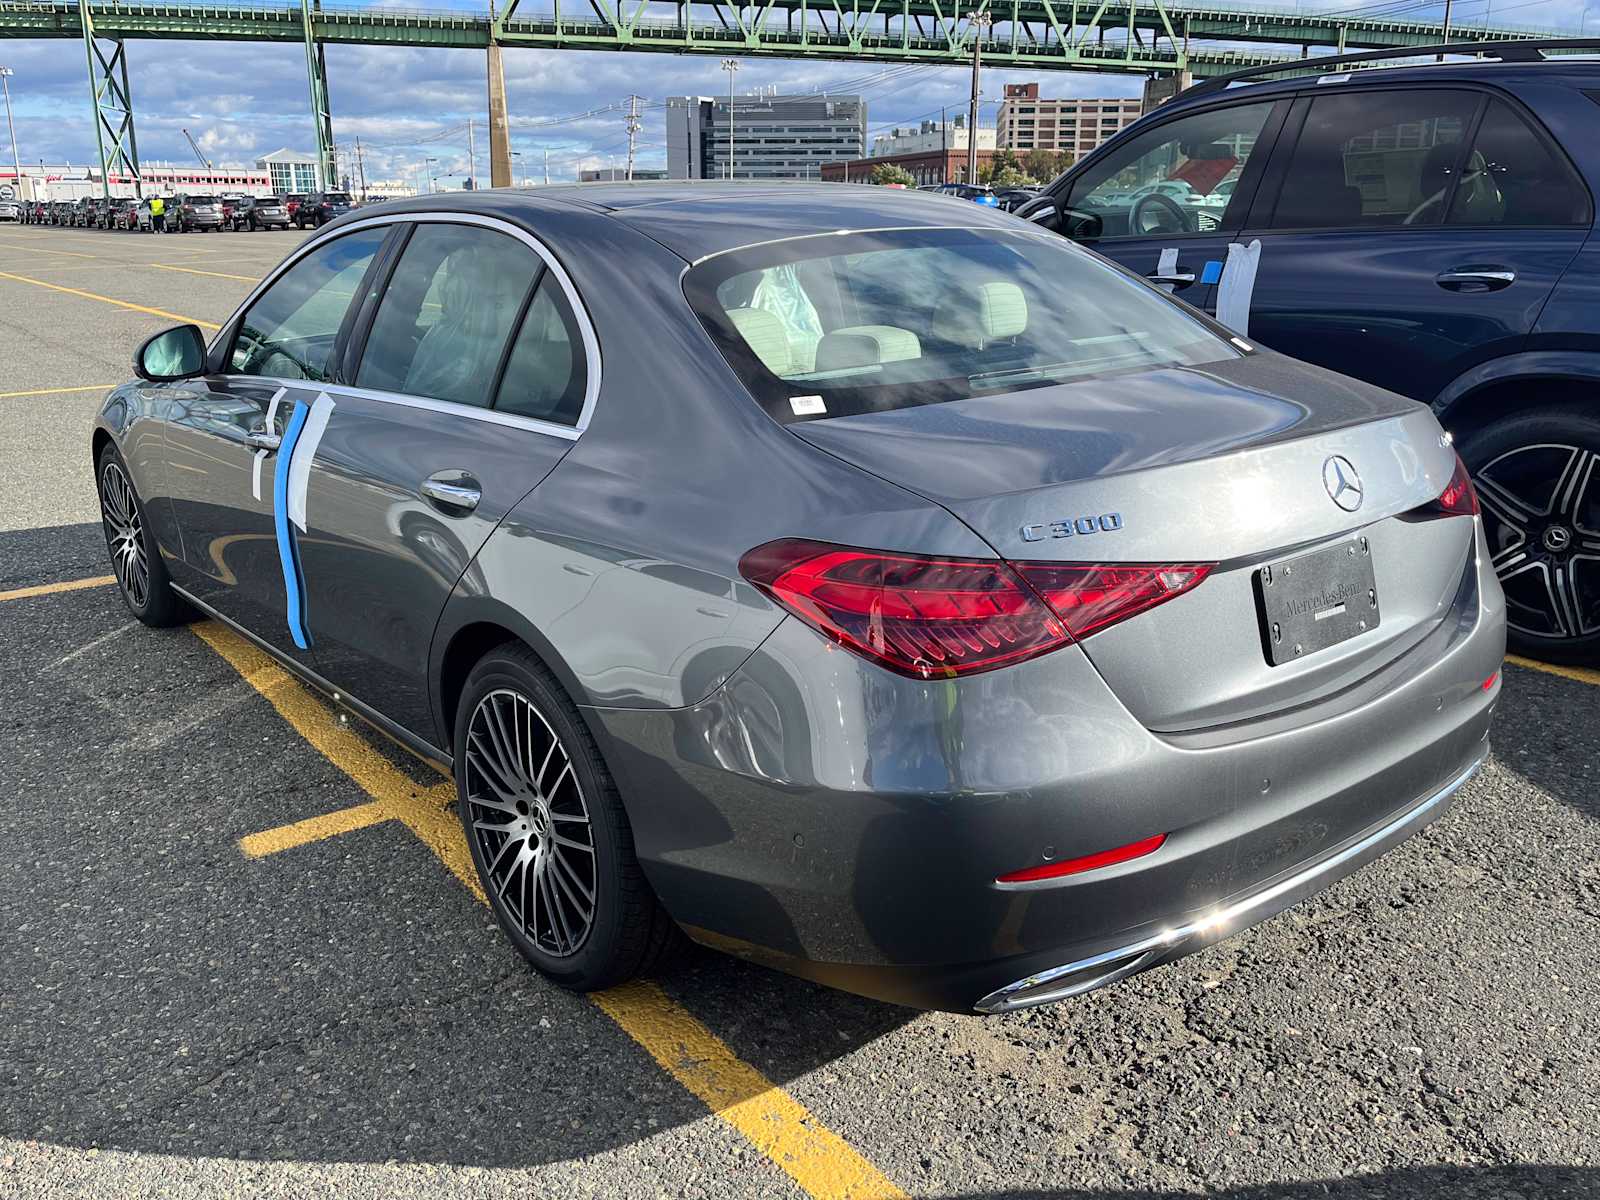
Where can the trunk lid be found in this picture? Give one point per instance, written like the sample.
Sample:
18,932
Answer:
1217,464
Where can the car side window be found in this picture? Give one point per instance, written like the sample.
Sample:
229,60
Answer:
290,330
1174,179
447,313
546,375
1369,160
1511,177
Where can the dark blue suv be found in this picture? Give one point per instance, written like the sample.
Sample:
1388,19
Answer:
1429,228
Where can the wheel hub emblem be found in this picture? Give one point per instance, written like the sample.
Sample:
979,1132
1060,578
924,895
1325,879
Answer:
539,822
1557,538
1343,484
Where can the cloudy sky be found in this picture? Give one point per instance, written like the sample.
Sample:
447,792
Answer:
242,100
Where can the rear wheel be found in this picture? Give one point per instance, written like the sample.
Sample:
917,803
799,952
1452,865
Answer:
1538,480
141,574
548,833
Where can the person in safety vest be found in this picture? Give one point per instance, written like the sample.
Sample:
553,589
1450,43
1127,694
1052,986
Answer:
158,215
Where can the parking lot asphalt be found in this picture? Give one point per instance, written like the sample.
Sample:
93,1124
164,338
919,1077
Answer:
242,954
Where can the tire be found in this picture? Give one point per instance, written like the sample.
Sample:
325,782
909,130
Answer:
628,932
148,591
1537,474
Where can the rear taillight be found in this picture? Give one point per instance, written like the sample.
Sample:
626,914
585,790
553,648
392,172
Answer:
1089,597
1459,498
940,617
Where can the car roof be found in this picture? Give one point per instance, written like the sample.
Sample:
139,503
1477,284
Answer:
696,218
1573,72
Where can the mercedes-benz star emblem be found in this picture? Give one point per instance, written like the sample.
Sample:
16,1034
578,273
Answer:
1342,482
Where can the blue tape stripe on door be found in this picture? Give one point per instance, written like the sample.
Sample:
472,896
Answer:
288,551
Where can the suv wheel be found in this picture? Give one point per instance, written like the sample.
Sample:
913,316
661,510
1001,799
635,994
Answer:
1538,480
547,830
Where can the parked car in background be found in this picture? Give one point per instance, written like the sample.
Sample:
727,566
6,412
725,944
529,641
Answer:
187,212
125,213
38,212
292,202
934,612
977,193
1011,199
319,208
1427,228
259,212
11,210
83,213
230,204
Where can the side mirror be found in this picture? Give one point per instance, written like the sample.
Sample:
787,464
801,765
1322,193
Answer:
173,354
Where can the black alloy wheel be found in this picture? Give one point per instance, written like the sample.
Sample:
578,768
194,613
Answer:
135,558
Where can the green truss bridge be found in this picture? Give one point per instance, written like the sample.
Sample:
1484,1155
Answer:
1141,36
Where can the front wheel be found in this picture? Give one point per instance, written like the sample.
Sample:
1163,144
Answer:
548,833
1537,476
135,558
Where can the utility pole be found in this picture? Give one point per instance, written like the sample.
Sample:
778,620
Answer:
472,156
633,131
547,164
1444,34
5,82
361,167
731,66
979,20
499,123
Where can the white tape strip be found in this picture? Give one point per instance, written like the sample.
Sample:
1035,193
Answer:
260,455
1167,265
1238,285
305,449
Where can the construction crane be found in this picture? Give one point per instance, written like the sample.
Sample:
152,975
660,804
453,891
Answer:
204,161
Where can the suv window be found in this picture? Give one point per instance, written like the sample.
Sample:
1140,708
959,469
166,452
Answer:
290,330
546,374
1174,179
447,314
1512,178
1375,159
199,199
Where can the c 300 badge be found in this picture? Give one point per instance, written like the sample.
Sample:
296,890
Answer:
1072,527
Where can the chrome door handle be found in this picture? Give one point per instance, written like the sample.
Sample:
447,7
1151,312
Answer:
260,439
460,498
1487,279
1177,278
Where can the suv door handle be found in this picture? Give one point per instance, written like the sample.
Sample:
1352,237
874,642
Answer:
1476,279
455,496
1176,279
260,439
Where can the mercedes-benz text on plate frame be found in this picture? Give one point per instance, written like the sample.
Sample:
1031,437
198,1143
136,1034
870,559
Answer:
969,652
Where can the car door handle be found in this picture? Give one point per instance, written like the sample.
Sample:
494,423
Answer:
456,499
260,439
1176,279
1476,279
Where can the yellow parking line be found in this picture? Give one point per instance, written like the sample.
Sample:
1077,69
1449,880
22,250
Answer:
217,274
775,1123
93,387
50,589
1581,674
155,312
49,250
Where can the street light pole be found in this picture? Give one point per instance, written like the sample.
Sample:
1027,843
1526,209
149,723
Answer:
731,66
5,82
979,20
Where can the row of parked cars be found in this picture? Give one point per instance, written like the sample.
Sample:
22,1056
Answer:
188,212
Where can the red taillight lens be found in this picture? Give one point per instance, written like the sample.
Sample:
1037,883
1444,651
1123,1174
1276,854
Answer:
1089,598
938,617
1459,498
923,617
1089,862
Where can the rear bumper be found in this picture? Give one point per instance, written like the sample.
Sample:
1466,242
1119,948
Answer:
825,817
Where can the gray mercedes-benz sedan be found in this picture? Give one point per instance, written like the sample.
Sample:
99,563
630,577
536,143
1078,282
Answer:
923,606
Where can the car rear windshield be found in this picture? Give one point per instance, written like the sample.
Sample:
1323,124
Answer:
337,197
842,324
201,199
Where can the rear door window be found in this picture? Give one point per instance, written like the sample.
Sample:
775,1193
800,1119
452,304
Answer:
1512,177
1370,160
546,375
447,314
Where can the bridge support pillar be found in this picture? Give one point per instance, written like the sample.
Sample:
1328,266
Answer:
317,70
499,131
113,107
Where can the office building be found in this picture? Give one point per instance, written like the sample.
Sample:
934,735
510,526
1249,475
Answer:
290,172
774,137
1078,125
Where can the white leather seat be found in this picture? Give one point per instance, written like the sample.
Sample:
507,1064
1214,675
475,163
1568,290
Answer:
975,317
865,346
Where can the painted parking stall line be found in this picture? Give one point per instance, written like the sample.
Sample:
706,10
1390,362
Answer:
821,1162
50,589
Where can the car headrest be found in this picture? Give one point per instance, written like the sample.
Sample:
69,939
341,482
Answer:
763,332
991,312
865,346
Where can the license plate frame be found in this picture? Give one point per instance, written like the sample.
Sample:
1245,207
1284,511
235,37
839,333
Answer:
1317,600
